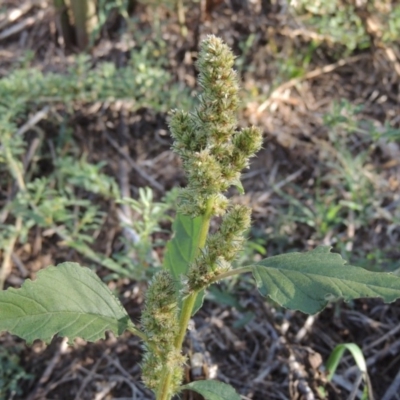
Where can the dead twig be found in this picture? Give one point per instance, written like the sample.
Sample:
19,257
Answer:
383,338
33,120
14,14
134,166
393,391
390,54
24,24
309,75
306,34
89,377
105,391
37,392
22,269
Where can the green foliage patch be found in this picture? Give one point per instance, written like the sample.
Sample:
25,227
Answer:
12,374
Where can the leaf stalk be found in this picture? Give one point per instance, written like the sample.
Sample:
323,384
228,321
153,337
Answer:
230,273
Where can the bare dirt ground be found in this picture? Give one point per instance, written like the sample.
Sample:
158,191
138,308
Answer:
276,354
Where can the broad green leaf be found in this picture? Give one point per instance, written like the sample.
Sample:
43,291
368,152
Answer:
68,300
182,248
307,281
213,390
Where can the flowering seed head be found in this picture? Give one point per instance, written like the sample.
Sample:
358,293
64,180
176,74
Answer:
213,153
160,323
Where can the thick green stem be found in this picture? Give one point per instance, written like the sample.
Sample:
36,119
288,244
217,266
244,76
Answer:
187,309
205,225
186,313
163,389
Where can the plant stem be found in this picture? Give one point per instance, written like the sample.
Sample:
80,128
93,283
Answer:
138,333
187,308
230,273
186,313
205,225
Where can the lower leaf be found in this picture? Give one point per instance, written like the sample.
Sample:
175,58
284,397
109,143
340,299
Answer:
308,281
213,390
68,300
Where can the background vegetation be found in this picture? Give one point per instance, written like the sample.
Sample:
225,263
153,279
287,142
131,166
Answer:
83,124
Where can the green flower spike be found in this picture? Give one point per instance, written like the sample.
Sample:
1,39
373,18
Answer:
160,322
212,151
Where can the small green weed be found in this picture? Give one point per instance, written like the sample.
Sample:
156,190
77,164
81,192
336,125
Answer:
334,20
138,258
338,22
11,373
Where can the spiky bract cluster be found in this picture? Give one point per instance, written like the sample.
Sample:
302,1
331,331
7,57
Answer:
220,249
160,323
213,153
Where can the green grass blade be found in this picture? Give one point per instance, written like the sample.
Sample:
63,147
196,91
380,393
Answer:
337,354
213,390
67,300
308,281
